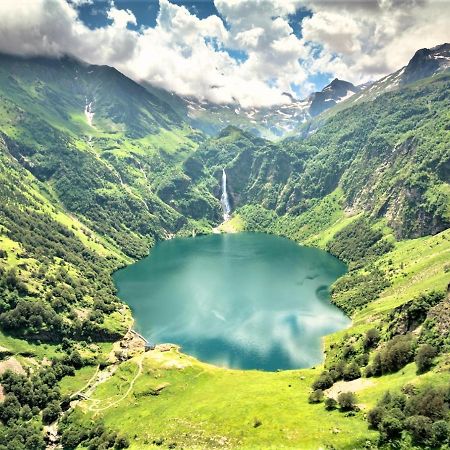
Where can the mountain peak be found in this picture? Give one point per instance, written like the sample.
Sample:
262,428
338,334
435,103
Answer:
335,92
339,84
426,62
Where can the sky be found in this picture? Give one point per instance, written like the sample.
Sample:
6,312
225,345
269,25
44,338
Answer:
250,52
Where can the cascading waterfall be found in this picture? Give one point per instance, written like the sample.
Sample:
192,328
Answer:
89,113
224,198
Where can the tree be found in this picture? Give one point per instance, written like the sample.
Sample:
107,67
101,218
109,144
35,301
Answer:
420,428
347,401
441,432
26,413
371,338
424,357
323,382
391,426
121,442
75,359
375,416
51,413
316,396
351,371
10,408
330,403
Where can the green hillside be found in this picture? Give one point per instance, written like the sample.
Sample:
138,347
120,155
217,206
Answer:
95,169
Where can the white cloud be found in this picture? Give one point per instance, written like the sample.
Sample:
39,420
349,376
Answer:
121,17
365,40
358,40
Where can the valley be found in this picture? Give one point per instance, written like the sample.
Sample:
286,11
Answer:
84,195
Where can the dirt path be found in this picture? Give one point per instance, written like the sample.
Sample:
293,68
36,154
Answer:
86,386
93,407
100,376
348,386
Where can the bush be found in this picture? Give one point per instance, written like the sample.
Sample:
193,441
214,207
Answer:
392,425
51,413
420,417
316,396
323,382
420,428
351,372
430,402
375,416
440,431
347,401
330,404
371,338
424,358
398,352
336,370
121,442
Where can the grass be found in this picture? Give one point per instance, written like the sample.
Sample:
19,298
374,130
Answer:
203,406
177,399
23,347
234,225
71,384
416,266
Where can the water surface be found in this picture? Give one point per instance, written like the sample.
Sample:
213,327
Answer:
248,300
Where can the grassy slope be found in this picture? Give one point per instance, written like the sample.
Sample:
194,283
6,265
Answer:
205,406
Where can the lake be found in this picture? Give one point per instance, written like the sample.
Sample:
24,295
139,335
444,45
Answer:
246,300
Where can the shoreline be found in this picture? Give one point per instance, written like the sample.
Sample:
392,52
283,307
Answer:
223,229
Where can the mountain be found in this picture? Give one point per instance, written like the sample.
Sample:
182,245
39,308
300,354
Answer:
268,122
424,63
390,156
95,169
290,118
337,91
100,140
88,161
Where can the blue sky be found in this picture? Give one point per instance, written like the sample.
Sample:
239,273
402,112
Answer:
249,52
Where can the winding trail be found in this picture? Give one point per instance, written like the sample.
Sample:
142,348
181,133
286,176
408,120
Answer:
84,393
139,364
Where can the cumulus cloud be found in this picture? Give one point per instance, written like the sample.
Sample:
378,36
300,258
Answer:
354,40
364,40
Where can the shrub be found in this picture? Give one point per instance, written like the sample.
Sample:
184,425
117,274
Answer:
121,442
351,372
336,370
347,401
316,396
430,402
51,413
398,352
424,358
420,428
330,404
375,416
440,433
371,338
323,382
417,418
392,425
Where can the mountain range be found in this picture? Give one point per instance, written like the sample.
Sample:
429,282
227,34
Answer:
96,168
284,120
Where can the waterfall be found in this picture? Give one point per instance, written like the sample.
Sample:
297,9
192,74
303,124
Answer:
224,198
89,113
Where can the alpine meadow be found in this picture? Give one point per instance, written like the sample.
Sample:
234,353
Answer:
209,239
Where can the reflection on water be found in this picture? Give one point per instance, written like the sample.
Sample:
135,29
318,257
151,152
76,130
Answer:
250,301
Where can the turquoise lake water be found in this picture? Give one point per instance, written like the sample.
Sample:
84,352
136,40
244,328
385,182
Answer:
247,300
